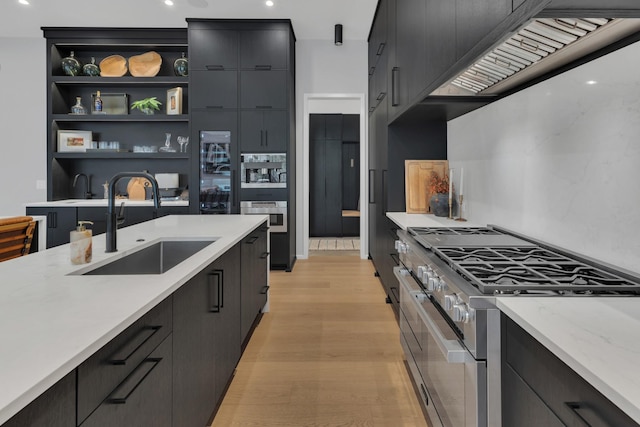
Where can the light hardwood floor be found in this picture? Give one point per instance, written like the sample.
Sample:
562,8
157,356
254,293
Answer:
327,354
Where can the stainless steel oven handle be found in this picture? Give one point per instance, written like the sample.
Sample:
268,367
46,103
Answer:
452,350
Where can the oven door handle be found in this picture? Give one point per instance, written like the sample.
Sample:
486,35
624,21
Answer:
452,350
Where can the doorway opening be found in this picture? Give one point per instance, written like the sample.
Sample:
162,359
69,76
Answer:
329,105
334,182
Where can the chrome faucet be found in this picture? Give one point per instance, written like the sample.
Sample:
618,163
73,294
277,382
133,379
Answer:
113,219
87,180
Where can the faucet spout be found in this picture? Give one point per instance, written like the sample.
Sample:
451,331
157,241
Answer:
87,181
112,217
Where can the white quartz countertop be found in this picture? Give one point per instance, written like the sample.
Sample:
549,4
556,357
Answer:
405,220
51,321
102,203
599,338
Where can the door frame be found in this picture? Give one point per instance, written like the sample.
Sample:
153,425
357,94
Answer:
331,103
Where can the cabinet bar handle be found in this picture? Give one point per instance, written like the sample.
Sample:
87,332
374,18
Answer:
574,407
219,284
394,91
263,67
381,96
234,186
372,70
128,349
252,240
261,137
264,255
214,67
372,185
424,393
380,49
266,137
264,290
214,107
131,383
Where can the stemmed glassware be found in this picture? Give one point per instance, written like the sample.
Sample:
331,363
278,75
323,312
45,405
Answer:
183,140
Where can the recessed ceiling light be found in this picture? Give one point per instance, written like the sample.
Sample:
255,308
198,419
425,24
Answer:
168,2
269,3
592,82
23,1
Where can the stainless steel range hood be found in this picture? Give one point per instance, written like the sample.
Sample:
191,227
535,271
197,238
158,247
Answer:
538,47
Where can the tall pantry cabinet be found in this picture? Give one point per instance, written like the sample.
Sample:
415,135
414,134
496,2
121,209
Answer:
242,80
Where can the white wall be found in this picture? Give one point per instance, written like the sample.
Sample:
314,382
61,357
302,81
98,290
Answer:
23,123
560,161
322,70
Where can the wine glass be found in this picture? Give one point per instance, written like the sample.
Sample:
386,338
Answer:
167,144
181,141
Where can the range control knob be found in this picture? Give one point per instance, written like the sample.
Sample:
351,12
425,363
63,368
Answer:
462,313
401,247
433,283
449,301
422,273
430,272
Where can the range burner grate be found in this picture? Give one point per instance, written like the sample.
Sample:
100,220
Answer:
525,269
458,231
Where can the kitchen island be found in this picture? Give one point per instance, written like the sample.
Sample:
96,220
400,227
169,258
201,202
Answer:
52,320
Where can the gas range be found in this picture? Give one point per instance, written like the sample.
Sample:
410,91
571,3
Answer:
450,327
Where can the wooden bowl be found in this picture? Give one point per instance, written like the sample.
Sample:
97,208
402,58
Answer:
145,65
113,66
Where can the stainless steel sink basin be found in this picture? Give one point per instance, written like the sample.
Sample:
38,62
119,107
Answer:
155,259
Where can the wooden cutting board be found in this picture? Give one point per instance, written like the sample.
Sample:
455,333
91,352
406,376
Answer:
417,174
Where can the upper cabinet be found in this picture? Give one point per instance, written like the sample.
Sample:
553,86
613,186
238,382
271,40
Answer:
213,49
264,49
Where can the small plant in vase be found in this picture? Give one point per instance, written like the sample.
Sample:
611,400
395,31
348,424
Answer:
439,190
147,105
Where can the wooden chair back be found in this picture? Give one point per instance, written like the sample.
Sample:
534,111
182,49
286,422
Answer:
16,234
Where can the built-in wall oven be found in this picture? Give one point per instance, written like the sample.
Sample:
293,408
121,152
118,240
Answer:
277,211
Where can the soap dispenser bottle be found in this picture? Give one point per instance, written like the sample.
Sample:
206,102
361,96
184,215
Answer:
81,239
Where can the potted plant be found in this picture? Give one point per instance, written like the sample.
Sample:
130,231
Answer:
439,190
147,105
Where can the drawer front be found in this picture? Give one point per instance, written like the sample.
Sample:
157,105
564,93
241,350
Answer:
143,398
99,375
566,393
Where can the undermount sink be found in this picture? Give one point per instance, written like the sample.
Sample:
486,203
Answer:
158,258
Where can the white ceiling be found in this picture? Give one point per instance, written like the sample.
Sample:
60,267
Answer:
310,19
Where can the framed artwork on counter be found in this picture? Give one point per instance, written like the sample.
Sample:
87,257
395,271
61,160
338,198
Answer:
174,101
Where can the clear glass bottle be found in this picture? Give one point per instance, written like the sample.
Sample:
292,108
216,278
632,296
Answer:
97,103
78,108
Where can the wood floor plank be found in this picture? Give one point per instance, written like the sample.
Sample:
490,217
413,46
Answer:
327,354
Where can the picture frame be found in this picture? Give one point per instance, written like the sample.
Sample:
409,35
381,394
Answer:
174,101
74,141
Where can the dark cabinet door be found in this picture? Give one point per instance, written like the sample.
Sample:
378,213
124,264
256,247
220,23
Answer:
223,276
351,127
408,68
264,49
263,89
276,131
440,52
216,89
207,339
475,19
60,221
280,250
213,49
254,277
56,407
143,398
333,189
194,345
264,131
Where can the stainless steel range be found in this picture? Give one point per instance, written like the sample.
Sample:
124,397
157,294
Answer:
450,328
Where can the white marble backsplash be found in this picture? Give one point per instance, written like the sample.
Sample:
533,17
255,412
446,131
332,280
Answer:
560,161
